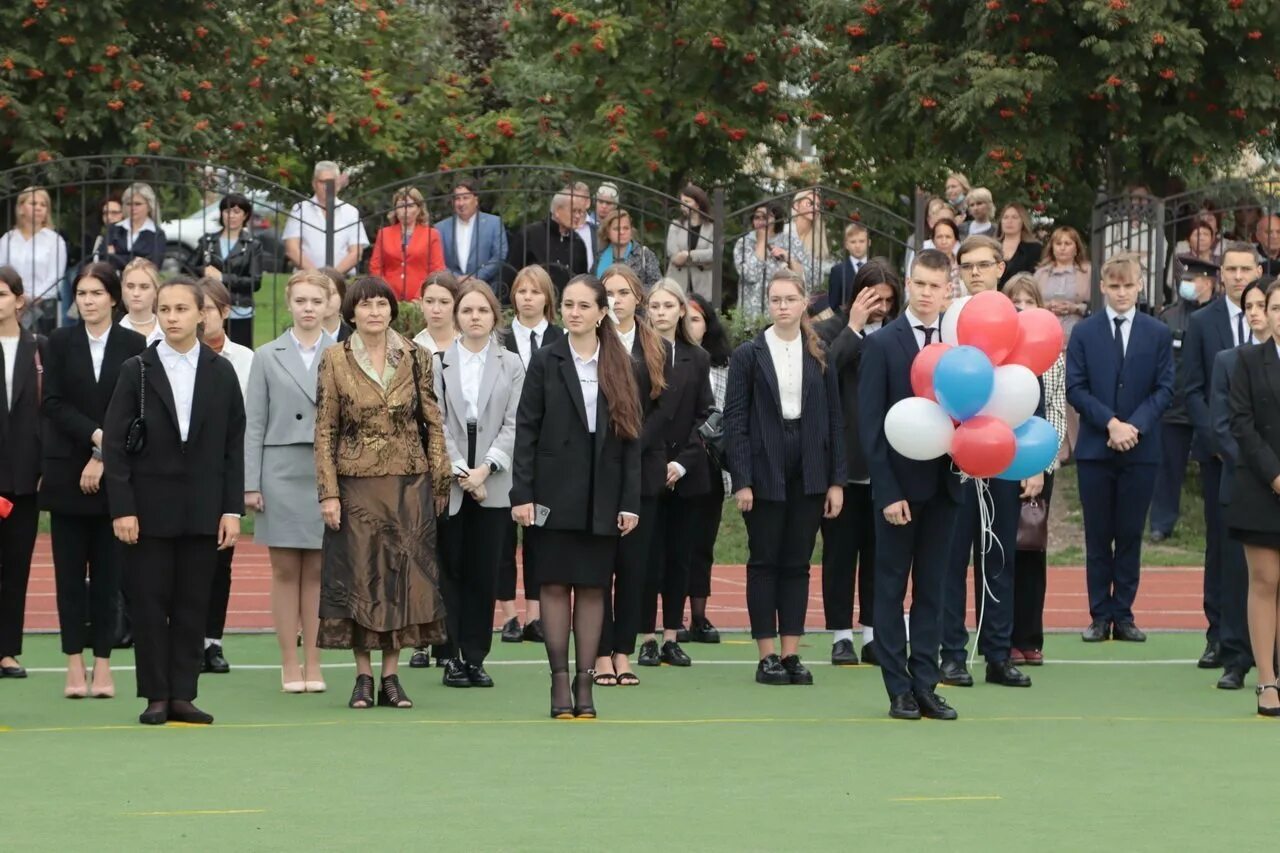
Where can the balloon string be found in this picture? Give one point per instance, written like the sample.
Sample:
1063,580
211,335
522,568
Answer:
987,538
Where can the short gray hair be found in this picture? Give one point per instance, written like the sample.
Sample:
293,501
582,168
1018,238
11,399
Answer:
561,198
147,194
325,166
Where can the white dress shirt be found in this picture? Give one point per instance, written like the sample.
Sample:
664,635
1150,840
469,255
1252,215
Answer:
130,235
1234,311
588,378
97,350
154,335
471,369
1126,328
40,261
585,233
307,223
523,344
629,338
9,346
936,325
788,363
241,358
180,368
463,234
307,353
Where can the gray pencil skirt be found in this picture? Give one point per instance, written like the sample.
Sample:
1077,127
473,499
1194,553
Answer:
292,516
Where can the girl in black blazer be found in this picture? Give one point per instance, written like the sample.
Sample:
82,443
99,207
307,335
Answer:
80,373
532,328
649,357
783,434
576,476
682,410
21,364
1254,512
176,500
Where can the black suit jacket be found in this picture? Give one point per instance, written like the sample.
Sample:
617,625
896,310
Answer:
1024,259
844,355
585,479
20,423
177,488
75,406
1255,423
550,336
653,459
753,430
562,255
1208,333
149,245
884,379
682,409
840,285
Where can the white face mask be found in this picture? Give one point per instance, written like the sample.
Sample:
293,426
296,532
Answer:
1187,290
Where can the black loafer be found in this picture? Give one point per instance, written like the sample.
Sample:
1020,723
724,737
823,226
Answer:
185,712
648,654
511,631
955,674
935,707
869,655
157,714
533,632
1098,631
1232,679
796,671
1212,657
1006,674
1128,632
771,671
420,660
673,655
703,633
682,636
904,707
214,661
842,653
477,676
18,671
455,674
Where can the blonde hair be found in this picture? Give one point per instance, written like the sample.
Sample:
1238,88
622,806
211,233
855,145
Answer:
815,242
670,285
48,204
311,277
961,179
147,194
538,277
1123,265
146,266
1024,282
981,194
1081,261
811,341
605,230
412,194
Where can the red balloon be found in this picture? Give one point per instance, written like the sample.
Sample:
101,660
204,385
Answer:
989,322
1039,340
983,446
922,368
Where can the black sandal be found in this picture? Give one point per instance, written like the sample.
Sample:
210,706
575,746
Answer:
559,712
363,692
1267,712
605,679
583,711
628,679
392,695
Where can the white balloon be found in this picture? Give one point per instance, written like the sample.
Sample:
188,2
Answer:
1015,395
919,429
951,321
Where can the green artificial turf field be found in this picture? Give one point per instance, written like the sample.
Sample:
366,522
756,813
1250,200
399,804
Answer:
1118,746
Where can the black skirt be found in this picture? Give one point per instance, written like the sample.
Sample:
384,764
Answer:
572,557
1256,538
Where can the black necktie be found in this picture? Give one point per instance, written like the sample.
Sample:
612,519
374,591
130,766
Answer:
1241,340
928,334
533,342
1119,321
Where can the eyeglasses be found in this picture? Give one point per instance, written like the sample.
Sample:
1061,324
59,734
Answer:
978,265
784,300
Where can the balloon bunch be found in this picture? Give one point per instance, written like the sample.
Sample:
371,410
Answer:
977,400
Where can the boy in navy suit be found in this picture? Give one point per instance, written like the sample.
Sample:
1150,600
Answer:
1120,380
915,502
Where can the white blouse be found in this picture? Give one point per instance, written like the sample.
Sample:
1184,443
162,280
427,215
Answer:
788,363
154,335
41,261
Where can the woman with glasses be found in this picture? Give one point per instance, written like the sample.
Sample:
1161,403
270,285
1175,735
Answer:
137,235
409,249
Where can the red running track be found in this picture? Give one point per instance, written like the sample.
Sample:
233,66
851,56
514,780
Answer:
1170,598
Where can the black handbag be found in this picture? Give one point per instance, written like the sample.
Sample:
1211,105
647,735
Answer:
712,434
1033,525
135,439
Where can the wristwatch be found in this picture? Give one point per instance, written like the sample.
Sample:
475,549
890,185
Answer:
97,453
493,467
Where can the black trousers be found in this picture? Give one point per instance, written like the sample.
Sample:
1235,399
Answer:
241,331
168,581
473,542
668,567
1237,651
1166,503
707,511
1210,487
83,542
507,565
17,541
622,608
219,596
1030,580
994,609
849,552
1114,498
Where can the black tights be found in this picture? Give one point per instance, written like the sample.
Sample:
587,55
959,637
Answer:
587,618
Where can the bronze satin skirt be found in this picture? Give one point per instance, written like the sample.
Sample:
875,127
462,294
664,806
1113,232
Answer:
380,580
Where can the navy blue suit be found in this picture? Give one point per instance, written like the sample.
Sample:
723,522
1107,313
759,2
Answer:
1116,487
147,244
1208,333
1234,602
918,549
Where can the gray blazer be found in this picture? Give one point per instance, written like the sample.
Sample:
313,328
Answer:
280,404
500,387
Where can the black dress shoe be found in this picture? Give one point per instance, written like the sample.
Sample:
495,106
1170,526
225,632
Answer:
477,676
1006,674
185,712
18,671
935,707
455,674
214,661
533,632
1128,632
673,655
842,653
1212,657
904,707
869,655
157,714
955,674
1098,631
771,671
682,636
796,671
511,631
420,660
703,632
648,654
1232,679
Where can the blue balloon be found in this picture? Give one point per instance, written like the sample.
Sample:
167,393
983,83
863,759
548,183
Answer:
963,380
1037,446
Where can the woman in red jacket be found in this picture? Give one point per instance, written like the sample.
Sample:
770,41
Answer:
409,249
